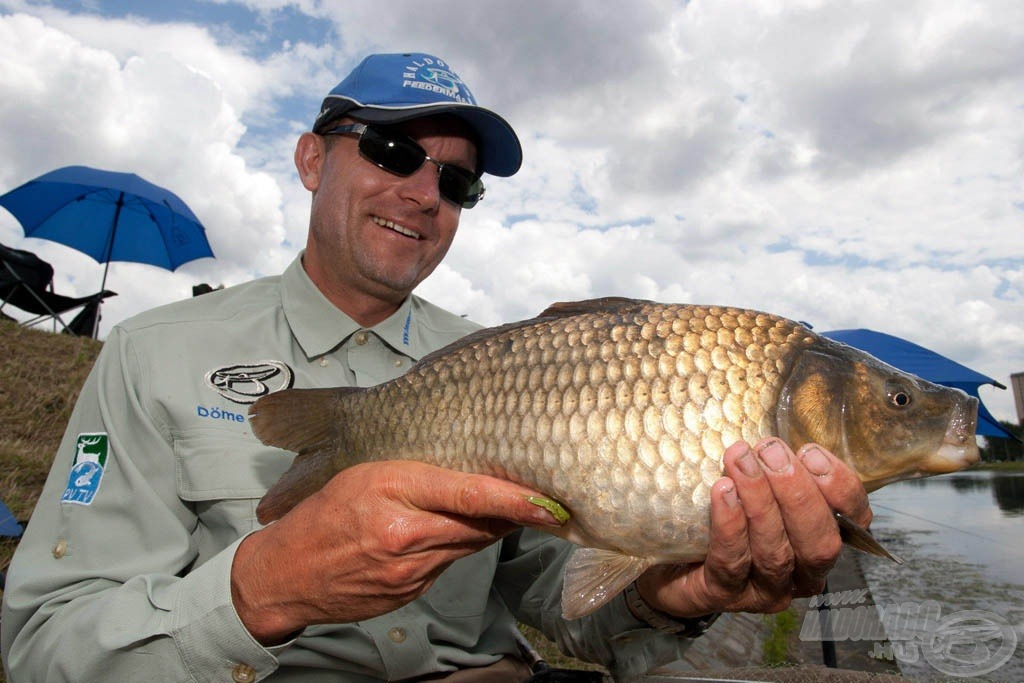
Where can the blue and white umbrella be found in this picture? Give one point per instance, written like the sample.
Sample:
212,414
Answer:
109,216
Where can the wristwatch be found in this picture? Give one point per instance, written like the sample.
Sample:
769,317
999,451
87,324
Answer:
687,627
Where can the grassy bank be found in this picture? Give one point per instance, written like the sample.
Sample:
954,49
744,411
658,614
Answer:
40,377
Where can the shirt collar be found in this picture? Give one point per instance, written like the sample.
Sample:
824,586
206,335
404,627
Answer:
319,326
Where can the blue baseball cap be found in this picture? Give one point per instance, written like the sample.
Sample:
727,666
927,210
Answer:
391,88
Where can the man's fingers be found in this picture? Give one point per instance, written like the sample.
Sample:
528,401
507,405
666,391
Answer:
476,496
838,483
770,550
424,507
727,566
810,524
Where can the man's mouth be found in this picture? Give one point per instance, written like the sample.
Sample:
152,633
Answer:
400,229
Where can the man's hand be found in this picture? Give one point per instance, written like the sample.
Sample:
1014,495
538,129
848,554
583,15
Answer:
773,533
373,539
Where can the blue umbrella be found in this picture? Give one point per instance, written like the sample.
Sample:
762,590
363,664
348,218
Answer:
927,364
109,216
8,525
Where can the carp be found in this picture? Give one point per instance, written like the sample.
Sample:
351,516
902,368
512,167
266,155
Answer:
620,411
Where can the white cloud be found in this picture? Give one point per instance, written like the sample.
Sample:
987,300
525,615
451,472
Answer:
852,164
67,103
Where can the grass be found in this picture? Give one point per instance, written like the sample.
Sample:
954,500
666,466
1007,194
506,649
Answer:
780,628
40,378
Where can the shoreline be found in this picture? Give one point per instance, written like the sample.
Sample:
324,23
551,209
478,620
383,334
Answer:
736,640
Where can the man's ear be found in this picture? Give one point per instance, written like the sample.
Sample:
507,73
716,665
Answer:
310,152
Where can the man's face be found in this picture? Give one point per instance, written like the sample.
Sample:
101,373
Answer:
377,234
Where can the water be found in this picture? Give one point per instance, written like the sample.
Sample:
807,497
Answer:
960,536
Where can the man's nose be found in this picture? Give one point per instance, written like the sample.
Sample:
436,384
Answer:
422,186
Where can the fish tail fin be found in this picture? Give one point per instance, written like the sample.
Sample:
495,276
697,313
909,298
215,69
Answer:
308,473
297,419
594,576
856,536
305,421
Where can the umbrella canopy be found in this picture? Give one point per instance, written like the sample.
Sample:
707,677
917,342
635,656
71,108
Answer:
8,525
109,216
927,364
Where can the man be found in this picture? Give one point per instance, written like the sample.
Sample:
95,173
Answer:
144,560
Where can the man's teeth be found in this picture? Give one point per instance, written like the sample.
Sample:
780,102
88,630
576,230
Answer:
391,225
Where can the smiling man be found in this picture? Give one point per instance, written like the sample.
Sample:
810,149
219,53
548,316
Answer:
394,570
374,236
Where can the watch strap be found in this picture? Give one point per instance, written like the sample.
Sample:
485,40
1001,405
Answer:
687,627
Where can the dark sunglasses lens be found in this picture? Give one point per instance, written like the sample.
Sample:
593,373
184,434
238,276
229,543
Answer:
460,186
394,154
400,155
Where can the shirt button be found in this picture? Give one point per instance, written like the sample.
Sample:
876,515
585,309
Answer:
361,338
323,362
60,548
243,673
398,363
397,634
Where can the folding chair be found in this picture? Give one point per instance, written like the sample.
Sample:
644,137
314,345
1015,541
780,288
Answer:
26,282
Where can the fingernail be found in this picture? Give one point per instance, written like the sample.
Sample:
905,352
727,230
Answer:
729,494
748,465
554,509
773,455
815,461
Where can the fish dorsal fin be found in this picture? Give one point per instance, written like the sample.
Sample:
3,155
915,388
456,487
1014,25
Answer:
562,309
594,576
607,304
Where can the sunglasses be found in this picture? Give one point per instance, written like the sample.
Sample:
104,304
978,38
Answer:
402,156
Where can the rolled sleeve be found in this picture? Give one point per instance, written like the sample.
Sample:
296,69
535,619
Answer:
207,631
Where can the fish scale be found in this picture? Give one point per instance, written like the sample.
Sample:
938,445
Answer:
621,410
630,427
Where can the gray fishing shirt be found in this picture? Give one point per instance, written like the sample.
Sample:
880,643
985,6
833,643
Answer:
124,571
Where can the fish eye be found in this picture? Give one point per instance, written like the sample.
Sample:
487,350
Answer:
898,396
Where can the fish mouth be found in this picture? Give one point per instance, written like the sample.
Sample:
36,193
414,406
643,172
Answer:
400,229
952,458
959,447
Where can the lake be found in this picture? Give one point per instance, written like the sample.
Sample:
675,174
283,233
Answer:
960,536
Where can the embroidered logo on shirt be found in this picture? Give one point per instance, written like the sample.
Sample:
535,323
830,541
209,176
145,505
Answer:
406,326
247,382
87,469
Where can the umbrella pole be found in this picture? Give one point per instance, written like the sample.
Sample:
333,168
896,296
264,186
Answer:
106,264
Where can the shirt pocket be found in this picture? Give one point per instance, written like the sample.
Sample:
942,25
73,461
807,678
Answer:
223,474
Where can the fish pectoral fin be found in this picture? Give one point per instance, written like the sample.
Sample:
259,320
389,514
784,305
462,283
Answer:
856,536
593,577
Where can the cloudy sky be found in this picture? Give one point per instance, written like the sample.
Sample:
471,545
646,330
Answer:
854,163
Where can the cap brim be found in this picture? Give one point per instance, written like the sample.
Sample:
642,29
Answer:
500,153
